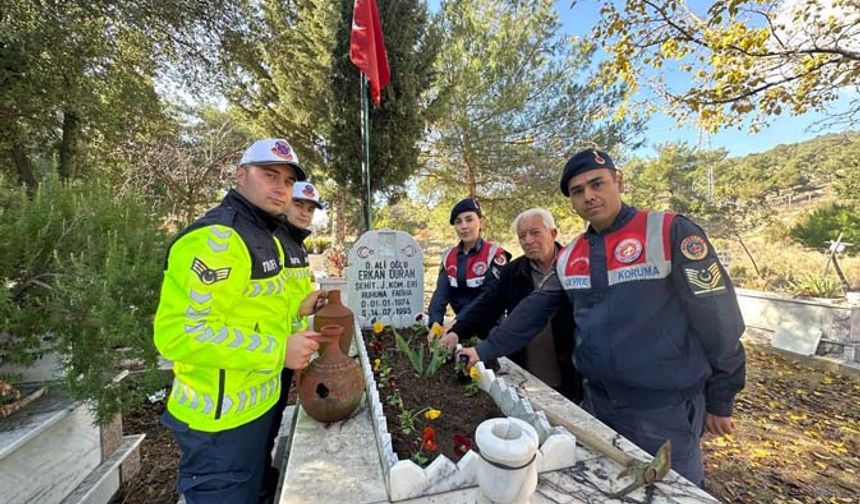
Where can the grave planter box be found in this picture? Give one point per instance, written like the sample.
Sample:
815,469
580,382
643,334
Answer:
805,326
404,479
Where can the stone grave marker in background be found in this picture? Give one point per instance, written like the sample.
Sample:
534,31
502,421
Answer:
385,278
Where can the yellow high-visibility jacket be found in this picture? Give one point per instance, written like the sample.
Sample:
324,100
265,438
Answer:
224,317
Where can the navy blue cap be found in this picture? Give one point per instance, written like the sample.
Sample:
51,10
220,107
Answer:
466,205
583,161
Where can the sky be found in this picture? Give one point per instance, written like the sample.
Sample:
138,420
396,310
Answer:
785,129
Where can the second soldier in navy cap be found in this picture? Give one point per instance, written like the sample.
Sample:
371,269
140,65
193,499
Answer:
467,266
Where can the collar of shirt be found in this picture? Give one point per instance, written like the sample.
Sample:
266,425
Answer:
624,215
477,248
296,233
534,267
252,211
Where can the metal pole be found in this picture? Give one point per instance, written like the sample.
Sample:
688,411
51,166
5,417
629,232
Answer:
365,164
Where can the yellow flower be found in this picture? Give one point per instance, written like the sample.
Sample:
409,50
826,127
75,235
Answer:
376,364
437,329
432,414
378,326
474,373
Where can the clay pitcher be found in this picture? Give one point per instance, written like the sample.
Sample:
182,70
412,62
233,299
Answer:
330,388
336,313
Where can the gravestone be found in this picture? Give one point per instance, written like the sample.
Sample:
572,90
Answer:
385,278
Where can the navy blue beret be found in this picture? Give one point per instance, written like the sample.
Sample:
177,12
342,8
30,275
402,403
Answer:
466,205
583,161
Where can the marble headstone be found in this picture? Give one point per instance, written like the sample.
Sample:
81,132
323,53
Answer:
385,278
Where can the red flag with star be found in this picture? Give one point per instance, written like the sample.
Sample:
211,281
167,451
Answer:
367,47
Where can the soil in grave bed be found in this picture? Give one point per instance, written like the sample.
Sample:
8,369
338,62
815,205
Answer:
404,394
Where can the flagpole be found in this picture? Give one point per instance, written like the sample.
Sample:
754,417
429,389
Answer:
365,164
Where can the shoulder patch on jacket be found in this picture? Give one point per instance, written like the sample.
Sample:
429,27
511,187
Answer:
694,248
208,275
705,279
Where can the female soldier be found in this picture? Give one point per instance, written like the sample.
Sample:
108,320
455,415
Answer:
467,266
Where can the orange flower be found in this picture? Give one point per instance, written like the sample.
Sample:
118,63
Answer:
428,439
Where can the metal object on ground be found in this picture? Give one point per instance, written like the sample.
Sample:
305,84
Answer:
644,473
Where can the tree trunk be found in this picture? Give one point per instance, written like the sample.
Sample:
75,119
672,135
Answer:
22,165
340,218
752,259
68,145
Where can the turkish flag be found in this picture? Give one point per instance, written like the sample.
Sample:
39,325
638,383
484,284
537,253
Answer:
367,47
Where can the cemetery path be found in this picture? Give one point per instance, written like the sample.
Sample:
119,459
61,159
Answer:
797,440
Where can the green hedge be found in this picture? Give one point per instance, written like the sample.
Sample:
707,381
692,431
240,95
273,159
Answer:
80,272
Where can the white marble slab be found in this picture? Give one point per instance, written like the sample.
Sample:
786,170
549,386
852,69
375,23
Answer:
55,449
802,339
104,481
335,462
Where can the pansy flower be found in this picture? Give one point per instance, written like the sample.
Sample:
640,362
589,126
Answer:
437,329
432,414
428,439
462,444
474,373
378,327
376,364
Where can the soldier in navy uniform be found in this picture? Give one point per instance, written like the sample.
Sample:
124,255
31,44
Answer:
657,323
467,266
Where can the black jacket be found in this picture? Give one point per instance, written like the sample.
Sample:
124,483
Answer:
513,285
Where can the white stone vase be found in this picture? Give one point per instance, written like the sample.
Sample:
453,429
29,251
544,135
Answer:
508,470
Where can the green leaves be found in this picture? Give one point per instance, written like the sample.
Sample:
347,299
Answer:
515,102
751,59
438,354
81,277
416,357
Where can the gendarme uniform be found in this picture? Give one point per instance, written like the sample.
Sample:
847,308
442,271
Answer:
657,329
224,311
463,273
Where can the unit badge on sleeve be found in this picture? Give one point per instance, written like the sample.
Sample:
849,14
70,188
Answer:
208,275
705,280
694,248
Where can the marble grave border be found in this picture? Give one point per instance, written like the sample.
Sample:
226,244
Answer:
404,479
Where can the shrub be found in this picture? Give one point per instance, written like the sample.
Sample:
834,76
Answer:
318,244
816,286
825,224
80,272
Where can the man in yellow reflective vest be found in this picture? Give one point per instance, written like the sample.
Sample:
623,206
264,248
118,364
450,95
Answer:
225,320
